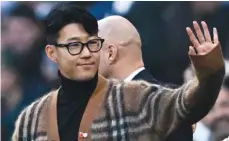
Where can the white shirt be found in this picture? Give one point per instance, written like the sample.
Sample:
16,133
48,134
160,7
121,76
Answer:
202,133
133,74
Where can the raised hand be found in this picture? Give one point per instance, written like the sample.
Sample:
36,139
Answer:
204,44
205,53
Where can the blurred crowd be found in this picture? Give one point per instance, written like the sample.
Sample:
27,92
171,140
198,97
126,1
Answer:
27,73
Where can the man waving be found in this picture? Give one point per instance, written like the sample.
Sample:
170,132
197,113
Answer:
90,107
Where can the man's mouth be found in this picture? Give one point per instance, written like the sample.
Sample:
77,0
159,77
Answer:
86,64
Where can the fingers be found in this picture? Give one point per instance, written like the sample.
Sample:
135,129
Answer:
215,35
206,32
199,32
201,38
192,37
202,43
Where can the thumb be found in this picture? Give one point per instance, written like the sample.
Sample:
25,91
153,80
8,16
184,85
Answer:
191,51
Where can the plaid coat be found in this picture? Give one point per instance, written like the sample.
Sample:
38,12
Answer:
130,111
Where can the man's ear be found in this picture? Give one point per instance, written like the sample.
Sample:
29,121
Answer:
51,53
112,53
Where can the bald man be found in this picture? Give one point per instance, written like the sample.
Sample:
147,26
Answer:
121,58
121,49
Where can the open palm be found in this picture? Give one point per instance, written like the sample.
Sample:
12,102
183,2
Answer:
204,44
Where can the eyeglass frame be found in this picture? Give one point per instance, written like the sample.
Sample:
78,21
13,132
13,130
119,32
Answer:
82,46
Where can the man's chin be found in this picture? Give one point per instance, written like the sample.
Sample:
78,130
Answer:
86,77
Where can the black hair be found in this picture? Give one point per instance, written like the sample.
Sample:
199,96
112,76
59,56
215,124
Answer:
66,13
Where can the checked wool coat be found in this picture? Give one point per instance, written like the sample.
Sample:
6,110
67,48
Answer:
131,111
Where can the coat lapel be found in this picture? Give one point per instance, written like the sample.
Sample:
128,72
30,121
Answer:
92,110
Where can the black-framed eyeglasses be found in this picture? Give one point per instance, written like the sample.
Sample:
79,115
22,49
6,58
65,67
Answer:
76,48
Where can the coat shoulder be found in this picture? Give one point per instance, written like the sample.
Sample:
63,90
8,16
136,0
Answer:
31,107
26,117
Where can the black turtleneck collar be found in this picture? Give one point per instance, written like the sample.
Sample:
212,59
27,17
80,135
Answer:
71,103
77,90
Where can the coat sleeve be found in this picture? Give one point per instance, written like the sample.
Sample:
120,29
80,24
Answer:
17,134
192,101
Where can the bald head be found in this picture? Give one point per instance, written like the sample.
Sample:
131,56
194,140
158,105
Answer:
121,49
117,29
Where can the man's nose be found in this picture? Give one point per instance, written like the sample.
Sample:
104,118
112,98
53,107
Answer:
85,53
